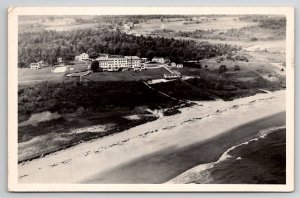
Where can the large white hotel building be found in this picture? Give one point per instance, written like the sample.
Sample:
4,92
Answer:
115,62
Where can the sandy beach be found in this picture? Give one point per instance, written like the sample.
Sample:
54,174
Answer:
131,156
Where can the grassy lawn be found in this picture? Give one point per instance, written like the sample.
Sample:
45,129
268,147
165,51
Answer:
153,65
156,73
78,67
33,76
29,76
130,75
109,76
29,72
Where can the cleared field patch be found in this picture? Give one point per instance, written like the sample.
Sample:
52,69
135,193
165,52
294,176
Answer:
28,71
71,27
250,72
156,73
30,76
108,76
153,65
220,23
263,56
189,71
78,67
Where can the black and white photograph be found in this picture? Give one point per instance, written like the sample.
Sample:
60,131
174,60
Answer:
188,99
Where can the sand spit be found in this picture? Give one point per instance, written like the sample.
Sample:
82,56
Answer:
195,124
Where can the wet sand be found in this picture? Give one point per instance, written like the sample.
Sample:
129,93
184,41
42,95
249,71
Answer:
169,163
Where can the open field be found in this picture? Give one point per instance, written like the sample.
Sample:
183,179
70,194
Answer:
223,28
108,76
65,23
28,71
221,23
247,34
29,76
71,27
77,68
157,73
32,76
271,47
263,69
60,23
35,76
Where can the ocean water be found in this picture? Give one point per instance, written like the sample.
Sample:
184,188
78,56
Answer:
261,160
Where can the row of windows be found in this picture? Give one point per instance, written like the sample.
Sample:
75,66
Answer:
110,62
121,60
123,65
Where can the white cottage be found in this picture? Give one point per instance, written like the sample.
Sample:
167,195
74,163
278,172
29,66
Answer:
82,57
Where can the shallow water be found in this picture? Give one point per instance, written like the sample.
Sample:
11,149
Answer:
262,160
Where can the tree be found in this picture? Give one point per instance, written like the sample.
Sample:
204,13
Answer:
150,54
222,69
95,66
136,21
236,68
93,55
21,64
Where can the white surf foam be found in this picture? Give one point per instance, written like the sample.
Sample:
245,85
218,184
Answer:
189,175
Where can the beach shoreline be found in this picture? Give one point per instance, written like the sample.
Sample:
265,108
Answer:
196,124
242,157
166,164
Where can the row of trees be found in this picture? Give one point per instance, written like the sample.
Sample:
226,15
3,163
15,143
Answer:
49,45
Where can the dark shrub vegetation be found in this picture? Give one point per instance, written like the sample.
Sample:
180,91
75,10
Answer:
68,97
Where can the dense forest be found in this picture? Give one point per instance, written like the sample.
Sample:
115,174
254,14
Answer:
49,45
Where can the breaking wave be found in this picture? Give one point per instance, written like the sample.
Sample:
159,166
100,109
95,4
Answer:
201,174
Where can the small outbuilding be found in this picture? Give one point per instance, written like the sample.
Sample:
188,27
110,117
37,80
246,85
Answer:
179,65
173,64
161,59
37,65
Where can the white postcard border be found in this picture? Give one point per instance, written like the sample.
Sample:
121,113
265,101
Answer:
13,14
